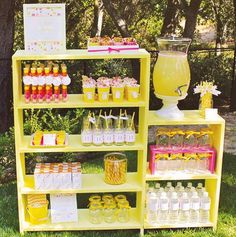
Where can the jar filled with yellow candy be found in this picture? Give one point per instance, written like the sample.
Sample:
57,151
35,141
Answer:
115,165
162,138
95,212
205,138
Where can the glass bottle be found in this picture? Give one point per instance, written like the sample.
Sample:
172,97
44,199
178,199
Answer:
95,212
97,132
108,132
109,212
119,135
161,162
205,138
86,132
130,136
190,138
162,138
203,161
123,211
176,138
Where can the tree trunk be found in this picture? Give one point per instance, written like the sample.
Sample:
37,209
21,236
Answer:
98,18
171,18
117,18
233,86
6,49
191,18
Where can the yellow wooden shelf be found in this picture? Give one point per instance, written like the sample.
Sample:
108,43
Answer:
173,226
91,183
84,224
75,145
179,176
78,54
191,117
76,101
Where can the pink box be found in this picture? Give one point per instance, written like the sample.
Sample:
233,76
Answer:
155,150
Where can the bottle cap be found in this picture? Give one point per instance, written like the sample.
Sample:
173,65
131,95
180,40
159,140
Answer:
189,184
169,184
179,184
199,185
157,185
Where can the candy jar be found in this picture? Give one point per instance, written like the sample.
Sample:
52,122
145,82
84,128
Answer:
97,132
27,83
115,168
48,81
203,161
56,82
190,138
34,79
41,84
176,138
161,162
162,138
191,161
65,79
95,212
86,132
130,136
123,211
176,162
205,138
119,135
108,132
109,212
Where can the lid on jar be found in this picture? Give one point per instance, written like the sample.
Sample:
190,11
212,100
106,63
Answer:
206,131
120,197
107,197
115,156
124,204
95,198
159,156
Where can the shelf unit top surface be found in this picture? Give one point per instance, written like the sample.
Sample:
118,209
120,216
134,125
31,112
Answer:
183,225
84,224
191,117
75,145
91,183
76,101
75,54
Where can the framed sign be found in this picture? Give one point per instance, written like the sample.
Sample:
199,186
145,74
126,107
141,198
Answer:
44,27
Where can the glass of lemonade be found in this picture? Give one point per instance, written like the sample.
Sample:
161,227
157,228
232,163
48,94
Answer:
171,76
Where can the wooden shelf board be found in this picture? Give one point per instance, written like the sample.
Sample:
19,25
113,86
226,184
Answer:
84,224
179,176
78,54
76,101
91,183
172,226
190,117
75,145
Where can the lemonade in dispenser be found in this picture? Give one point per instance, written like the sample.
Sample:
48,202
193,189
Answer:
171,76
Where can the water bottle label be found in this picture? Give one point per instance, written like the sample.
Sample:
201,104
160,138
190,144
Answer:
119,137
185,206
130,136
205,206
175,206
153,205
98,139
87,137
164,206
108,137
195,205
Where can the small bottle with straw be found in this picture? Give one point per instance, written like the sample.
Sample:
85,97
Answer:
119,135
86,132
108,137
130,131
97,130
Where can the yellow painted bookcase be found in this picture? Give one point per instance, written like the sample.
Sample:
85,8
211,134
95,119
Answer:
94,183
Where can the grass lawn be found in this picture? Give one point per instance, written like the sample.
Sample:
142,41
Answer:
226,224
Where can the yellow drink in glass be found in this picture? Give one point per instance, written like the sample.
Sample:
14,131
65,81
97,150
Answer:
171,76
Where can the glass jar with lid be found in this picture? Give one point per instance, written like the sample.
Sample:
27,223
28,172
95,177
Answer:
95,212
109,212
123,212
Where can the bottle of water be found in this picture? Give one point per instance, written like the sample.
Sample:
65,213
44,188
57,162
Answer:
152,206
180,192
164,207
169,193
184,208
199,187
190,193
174,208
189,186
194,208
204,215
200,193
157,187
168,186
178,186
